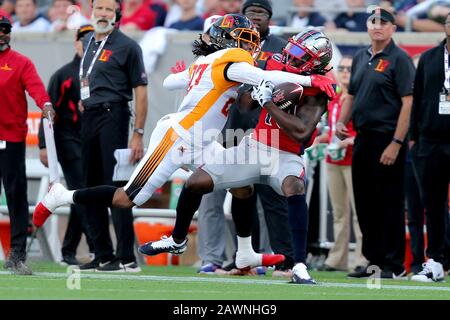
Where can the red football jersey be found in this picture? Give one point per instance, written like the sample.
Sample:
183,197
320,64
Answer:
267,130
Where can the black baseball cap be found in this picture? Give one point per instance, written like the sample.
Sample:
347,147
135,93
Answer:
5,21
383,15
83,30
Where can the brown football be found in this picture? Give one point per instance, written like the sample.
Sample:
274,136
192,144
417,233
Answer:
287,95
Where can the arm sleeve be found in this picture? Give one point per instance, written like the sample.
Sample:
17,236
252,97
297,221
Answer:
33,84
245,73
417,102
404,76
135,67
177,80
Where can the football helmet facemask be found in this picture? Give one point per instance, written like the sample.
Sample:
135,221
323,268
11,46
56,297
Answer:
235,31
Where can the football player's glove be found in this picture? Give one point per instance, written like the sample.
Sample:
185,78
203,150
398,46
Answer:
263,92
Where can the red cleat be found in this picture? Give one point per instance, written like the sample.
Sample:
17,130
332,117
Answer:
40,215
272,259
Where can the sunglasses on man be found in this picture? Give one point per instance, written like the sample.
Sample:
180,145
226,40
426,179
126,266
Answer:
5,29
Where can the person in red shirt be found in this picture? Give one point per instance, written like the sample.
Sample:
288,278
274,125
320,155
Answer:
137,15
17,74
339,172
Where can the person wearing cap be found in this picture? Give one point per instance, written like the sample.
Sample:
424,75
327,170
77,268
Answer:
430,151
379,103
64,92
275,208
17,75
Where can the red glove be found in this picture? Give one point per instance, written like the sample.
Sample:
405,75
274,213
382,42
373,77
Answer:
325,84
180,66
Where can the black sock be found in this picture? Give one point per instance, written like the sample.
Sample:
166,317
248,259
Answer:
242,213
188,203
100,196
298,219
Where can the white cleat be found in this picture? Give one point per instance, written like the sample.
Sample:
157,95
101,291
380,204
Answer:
300,275
52,200
432,272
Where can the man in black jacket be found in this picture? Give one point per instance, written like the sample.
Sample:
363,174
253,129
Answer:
64,92
430,149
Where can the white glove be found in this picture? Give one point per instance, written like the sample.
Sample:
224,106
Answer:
263,92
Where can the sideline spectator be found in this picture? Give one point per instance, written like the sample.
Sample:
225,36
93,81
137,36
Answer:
430,150
303,18
231,6
107,83
189,20
63,17
379,102
159,7
351,20
64,92
5,10
8,6
137,15
340,186
17,75
212,8
425,16
29,19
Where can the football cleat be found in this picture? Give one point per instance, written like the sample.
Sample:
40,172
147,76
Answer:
249,260
300,275
432,272
165,245
48,205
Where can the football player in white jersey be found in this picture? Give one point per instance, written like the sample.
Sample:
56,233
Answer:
178,140
270,155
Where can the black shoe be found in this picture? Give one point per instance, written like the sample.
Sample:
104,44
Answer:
91,266
69,261
230,266
8,264
131,267
360,272
110,266
387,274
20,268
327,268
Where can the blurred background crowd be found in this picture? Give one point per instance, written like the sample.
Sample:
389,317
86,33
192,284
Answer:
345,15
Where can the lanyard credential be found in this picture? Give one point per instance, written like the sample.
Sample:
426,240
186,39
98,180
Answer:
94,59
446,69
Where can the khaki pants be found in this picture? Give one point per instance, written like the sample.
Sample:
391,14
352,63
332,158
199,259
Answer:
341,193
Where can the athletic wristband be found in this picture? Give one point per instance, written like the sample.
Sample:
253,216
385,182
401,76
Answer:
400,142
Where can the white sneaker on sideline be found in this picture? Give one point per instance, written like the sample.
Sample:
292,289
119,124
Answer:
432,272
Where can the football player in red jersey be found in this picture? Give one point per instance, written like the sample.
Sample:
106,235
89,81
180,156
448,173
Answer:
281,138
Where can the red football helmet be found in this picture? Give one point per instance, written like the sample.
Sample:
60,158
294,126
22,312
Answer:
308,52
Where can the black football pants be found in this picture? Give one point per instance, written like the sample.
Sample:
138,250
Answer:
105,129
379,201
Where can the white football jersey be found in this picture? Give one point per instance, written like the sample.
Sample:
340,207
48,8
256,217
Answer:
209,94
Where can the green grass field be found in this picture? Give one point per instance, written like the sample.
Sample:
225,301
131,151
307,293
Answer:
183,283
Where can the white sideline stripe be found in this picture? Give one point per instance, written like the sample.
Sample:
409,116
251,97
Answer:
213,279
